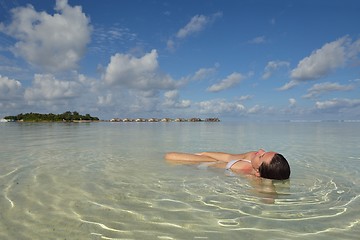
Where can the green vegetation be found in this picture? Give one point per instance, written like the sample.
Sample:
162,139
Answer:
64,117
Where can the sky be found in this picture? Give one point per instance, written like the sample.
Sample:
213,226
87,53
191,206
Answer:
255,60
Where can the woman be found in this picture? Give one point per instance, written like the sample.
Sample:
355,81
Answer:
271,165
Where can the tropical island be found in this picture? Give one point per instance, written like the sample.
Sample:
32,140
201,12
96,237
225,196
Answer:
76,117
50,117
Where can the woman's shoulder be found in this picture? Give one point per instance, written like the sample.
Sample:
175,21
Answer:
239,163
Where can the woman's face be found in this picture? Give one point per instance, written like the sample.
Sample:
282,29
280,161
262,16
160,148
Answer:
261,156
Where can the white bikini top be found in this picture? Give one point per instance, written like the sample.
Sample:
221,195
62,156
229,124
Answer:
232,162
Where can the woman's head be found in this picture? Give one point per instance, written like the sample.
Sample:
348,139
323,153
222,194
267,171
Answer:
270,165
278,168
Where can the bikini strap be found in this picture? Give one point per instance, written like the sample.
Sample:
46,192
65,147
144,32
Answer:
232,162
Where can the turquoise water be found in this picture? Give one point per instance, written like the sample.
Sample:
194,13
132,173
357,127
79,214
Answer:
109,181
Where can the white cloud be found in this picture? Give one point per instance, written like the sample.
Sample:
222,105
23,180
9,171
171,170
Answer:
106,39
141,102
289,85
255,109
105,100
353,50
325,87
120,102
8,85
137,73
226,83
322,61
196,24
53,42
337,104
172,100
11,95
218,106
258,40
183,104
203,73
47,88
243,98
292,102
170,45
173,94
9,88
273,66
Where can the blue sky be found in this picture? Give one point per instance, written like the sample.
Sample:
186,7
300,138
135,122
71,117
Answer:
236,60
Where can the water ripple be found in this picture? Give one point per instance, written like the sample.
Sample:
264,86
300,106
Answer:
79,190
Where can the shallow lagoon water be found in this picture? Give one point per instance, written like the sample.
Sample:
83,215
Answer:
109,181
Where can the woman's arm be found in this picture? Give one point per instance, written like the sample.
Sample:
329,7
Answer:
188,157
226,157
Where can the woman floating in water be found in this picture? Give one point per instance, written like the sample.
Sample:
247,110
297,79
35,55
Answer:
271,165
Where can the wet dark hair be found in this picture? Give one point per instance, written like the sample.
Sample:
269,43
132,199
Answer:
278,168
